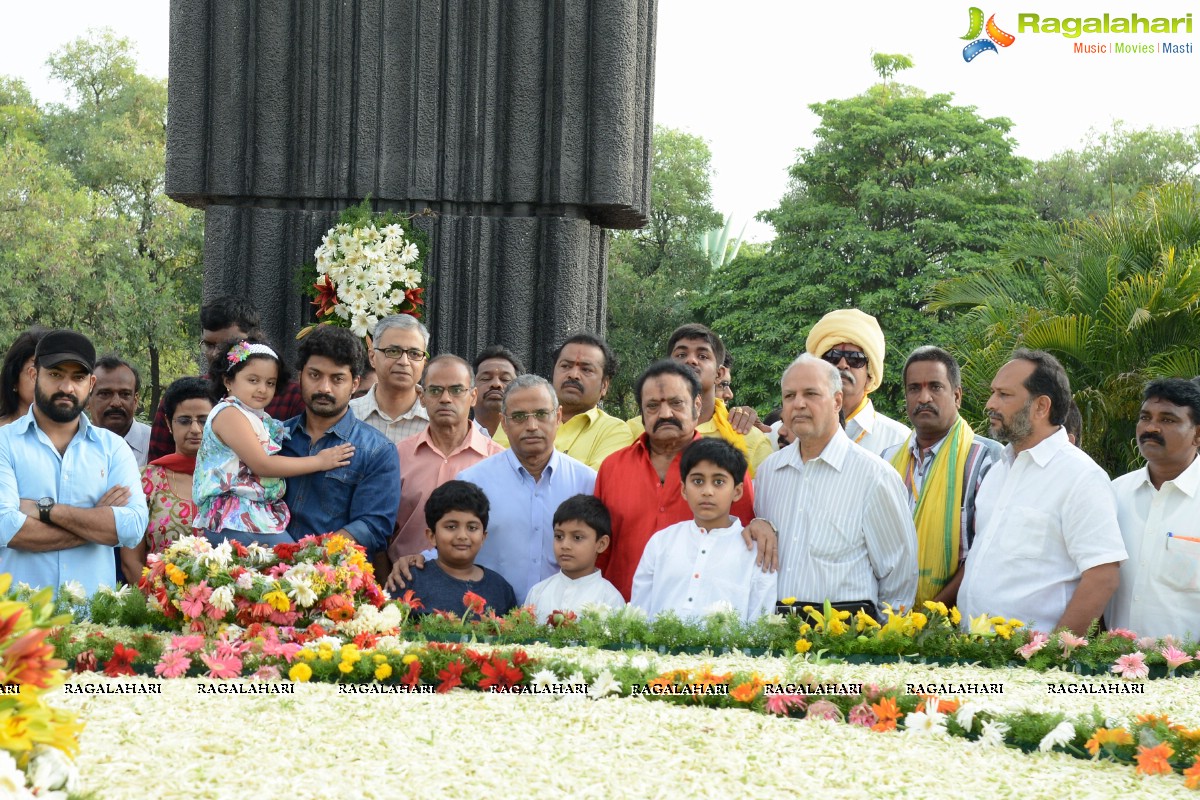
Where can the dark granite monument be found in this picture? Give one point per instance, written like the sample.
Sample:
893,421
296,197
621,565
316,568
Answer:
524,125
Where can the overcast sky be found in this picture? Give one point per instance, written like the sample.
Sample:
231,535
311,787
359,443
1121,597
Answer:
743,75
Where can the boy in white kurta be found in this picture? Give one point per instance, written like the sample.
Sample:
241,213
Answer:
692,566
582,531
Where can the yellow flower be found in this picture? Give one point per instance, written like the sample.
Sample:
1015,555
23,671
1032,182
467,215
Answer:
408,659
788,601
1004,631
325,652
383,671
1015,623
176,575
379,658
955,615
936,607
919,620
300,672
805,629
803,645
836,626
864,622
346,667
335,544
277,600
350,654
982,626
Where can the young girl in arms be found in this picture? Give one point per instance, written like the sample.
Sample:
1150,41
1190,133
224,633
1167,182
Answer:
238,484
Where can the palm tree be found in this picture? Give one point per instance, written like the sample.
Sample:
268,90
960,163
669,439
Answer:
1116,298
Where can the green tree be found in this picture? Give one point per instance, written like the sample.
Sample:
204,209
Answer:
1110,168
650,270
901,190
1116,298
148,248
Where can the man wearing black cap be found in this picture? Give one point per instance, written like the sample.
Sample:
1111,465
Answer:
69,491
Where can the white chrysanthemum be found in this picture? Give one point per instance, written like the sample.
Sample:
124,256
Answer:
341,310
219,556
410,254
411,278
222,598
965,716
52,771
543,679
12,780
257,554
1062,735
245,581
925,723
300,572
303,594
640,663
992,734
604,685
359,326
74,593
392,230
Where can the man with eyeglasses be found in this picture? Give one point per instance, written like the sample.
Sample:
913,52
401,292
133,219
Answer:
398,353
447,446
221,319
853,342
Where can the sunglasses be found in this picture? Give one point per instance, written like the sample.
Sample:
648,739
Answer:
854,359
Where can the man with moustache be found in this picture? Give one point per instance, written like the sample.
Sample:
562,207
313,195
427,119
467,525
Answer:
495,368
845,532
439,453
398,352
114,402
358,500
525,485
584,366
1158,508
69,491
942,464
641,486
853,342
1048,548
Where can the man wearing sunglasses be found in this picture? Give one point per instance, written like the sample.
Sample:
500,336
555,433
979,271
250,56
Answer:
447,446
398,355
853,342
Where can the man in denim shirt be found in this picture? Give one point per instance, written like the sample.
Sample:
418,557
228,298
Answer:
361,498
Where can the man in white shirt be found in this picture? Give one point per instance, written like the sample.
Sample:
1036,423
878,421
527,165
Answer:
1158,508
853,342
1048,548
398,354
114,403
845,532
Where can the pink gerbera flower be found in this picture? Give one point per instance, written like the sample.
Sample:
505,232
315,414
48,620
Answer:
1069,642
1124,633
862,714
227,666
1175,658
174,664
1036,642
781,704
187,644
1131,667
195,599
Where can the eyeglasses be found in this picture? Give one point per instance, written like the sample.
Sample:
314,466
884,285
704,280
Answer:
457,390
854,359
394,353
724,385
187,422
521,417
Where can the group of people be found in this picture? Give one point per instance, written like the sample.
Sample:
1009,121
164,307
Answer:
477,477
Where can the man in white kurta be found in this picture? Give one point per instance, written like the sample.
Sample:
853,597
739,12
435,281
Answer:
1158,508
1047,546
692,571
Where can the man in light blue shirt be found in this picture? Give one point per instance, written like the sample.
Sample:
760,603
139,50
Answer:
69,492
525,485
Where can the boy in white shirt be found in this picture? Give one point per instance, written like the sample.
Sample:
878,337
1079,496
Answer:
582,531
692,566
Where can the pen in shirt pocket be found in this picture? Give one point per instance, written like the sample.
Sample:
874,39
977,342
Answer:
1183,538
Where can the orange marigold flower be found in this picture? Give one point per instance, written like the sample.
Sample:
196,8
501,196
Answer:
1192,775
1103,737
1153,760
1154,719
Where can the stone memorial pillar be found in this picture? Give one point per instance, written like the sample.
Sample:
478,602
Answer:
524,125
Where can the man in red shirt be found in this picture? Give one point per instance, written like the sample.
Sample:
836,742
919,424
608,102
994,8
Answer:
223,319
640,484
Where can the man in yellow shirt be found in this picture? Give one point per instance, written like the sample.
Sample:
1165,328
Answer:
704,353
584,365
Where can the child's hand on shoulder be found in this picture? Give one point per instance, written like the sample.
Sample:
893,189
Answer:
334,457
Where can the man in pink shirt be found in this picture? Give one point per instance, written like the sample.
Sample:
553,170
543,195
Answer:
437,454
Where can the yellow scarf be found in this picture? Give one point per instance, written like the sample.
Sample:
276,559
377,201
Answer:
720,419
938,516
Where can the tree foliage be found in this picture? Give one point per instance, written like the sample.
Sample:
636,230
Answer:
652,270
1110,168
1116,298
901,190
98,245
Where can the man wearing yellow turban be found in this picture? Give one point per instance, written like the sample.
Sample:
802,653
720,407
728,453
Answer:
853,342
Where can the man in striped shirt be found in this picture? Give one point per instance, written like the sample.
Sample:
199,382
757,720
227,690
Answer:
845,532
942,464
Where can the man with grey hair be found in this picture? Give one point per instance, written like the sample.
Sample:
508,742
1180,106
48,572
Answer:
845,532
524,485
398,354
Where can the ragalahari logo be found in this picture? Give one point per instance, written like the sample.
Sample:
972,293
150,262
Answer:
995,36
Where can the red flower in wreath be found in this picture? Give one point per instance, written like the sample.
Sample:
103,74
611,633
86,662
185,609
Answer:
498,673
326,297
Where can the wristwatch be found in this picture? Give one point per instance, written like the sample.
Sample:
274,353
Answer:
44,505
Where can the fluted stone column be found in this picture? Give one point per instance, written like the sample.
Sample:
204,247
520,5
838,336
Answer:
524,125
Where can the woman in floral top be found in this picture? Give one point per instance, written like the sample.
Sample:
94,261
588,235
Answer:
238,483
167,481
